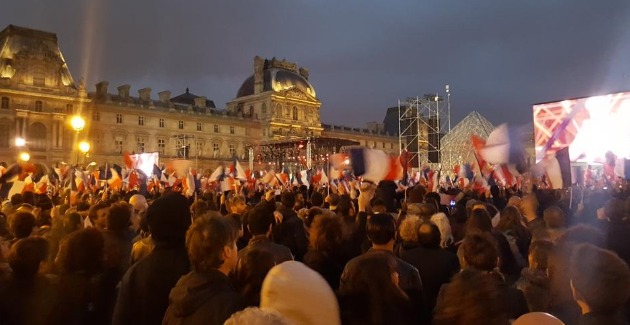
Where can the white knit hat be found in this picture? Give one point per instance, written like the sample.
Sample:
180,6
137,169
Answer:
300,294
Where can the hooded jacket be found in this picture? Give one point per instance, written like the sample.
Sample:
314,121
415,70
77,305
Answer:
203,298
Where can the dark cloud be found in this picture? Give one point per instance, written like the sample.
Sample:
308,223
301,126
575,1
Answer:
498,56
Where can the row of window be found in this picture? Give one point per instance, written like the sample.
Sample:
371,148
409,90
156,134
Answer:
39,106
162,123
140,146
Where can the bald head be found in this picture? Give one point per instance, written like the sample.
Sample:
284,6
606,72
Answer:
139,203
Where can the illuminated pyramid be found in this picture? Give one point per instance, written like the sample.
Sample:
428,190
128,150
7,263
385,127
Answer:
457,147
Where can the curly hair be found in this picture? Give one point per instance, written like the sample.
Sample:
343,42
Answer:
257,316
206,238
471,298
409,229
326,233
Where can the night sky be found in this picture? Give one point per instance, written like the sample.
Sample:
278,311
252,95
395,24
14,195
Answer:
499,57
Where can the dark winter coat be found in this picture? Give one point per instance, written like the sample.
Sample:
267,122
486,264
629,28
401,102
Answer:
28,301
329,267
203,298
354,310
436,267
144,290
535,286
603,319
290,233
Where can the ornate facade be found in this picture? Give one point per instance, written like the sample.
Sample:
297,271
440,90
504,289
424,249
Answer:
39,96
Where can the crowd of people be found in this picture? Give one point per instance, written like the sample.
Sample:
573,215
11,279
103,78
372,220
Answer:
375,254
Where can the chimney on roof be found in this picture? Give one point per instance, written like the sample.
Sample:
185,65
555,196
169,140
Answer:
101,90
259,64
145,94
165,96
201,102
123,91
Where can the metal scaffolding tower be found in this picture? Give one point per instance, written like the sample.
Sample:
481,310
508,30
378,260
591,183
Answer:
182,147
422,121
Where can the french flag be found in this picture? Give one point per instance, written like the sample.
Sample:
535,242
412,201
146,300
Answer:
504,147
557,168
622,168
371,164
239,172
217,175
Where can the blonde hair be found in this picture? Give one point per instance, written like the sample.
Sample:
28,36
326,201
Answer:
446,236
257,316
409,228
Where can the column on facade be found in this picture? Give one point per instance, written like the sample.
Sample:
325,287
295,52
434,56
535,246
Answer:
24,123
18,127
54,134
60,133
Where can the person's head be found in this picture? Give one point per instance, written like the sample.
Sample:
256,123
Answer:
444,225
416,194
311,215
285,288
288,199
257,316
326,233
211,243
510,220
615,210
381,229
22,224
514,201
433,197
251,270
344,207
409,229
238,204
199,208
429,235
16,199
480,251
81,251
139,203
237,222
26,256
479,220
317,199
539,254
98,215
472,298
602,285
427,210
375,278
554,217
260,221
580,234
72,222
119,216
334,199
169,218
378,205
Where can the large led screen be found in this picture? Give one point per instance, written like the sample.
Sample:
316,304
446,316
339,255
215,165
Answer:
145,161
590,127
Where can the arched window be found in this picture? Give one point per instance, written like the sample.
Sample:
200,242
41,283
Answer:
5,102
251,111
36,137
264,110
295,113
278,111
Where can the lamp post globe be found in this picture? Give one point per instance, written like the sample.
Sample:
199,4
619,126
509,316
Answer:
78,123
25,156
84,146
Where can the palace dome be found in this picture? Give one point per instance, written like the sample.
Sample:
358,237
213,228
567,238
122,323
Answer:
277,80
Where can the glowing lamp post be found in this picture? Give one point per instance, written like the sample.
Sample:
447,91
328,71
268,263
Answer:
78,123
20,142
25,156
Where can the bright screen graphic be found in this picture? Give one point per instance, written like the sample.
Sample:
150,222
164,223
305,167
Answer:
590,127
145,161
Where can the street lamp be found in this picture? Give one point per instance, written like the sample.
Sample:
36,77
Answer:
84,147
20,142
77,122
24,156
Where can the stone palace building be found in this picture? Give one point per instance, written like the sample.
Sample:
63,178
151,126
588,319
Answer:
39,96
